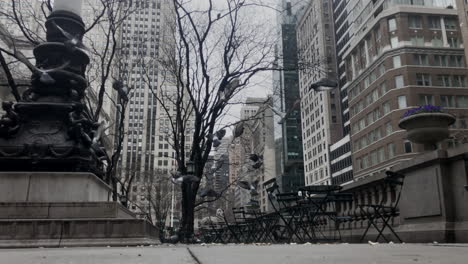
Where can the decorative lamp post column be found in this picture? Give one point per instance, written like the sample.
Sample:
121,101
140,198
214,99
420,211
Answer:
51,129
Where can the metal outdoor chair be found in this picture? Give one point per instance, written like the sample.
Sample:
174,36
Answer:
288,211
323,221
379,215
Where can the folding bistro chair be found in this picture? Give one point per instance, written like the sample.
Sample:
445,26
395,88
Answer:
288,210
322,203
384,210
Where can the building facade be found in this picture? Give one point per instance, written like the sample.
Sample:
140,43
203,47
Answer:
288,130
406,54
341,166
320,111
147,154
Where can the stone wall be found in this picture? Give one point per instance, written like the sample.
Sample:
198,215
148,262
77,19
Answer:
433,205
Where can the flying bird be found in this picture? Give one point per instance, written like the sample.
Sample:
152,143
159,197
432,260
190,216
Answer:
121,90
239,130
208,193
252,187
73,42
185,178
220,133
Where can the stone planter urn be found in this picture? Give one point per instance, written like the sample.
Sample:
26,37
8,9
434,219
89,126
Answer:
427,128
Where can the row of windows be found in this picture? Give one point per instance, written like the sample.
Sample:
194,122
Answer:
342,164
422,79
376,157
346,148
373,136
418,59
342,178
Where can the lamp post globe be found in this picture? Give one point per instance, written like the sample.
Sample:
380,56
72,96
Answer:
190,167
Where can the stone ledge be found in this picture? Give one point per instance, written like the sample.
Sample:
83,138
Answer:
64,210
55,243
53,187
81,232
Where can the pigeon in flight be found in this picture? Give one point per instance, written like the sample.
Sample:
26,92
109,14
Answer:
73,42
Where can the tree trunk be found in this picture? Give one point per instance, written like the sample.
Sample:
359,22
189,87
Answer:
189,193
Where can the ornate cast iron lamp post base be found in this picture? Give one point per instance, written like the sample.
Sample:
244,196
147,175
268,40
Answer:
51,129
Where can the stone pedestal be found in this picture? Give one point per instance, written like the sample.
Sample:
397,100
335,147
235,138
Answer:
40,209
52,187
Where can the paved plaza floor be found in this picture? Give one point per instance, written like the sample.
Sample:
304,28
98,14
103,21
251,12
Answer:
235,254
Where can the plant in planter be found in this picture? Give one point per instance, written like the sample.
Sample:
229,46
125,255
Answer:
427,125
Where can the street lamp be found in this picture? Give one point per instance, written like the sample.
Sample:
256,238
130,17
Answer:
190,167
55,131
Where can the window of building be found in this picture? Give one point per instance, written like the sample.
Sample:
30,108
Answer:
458,81
444,80
426,99
417,40
383,88
391,150
437,41
462,101
374,160
423,79
456,61
394,42
392,24
420,59
399,82
414,21
386,108
440,60
402,102
408,147
447,101
450,23
381,155
434,22
396,61
453,42
388,128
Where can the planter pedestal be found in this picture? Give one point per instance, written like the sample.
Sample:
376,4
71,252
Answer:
427,128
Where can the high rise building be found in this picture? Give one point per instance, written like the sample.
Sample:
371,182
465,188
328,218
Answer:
341,167
241,148
403,54
286,99
320,111
147,36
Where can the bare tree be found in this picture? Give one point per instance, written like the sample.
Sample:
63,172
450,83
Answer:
215,51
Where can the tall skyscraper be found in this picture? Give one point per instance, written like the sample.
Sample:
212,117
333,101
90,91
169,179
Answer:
320,111
341,166
286,99
147,34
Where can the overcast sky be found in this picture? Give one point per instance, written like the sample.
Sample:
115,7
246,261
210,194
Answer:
262,83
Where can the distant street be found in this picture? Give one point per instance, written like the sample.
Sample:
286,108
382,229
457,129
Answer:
236,254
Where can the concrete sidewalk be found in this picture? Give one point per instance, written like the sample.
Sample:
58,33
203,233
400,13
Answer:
235,254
